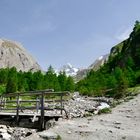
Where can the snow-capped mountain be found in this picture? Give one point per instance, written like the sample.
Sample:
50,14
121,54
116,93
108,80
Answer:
99,62
94,66
68,69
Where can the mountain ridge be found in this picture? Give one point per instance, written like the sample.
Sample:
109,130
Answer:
69,69
82,73
13,54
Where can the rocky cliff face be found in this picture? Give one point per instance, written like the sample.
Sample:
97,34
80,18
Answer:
12,54
94,66
99,62
82,73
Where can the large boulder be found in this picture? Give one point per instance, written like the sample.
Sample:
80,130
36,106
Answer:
48,135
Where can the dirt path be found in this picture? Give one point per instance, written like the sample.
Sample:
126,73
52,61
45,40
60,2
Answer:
122,124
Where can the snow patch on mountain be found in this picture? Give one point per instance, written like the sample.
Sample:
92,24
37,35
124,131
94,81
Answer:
99,62
68,69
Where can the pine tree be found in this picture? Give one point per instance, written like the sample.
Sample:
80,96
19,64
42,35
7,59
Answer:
56,84
122,83
21,81
50,80
12,81
29,81
3,76
37,80
62,78
70,84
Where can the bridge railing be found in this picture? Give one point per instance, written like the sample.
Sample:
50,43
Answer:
33,100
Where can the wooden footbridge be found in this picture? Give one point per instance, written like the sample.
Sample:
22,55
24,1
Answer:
33,106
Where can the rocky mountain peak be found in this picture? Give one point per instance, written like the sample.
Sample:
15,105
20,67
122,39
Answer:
99,62
69,69
94,66
12,54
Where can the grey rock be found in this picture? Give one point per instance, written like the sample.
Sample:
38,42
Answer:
69,132
50,123
12,54
34,136
5,136
48,135
3,130
75,95
28,134
116,122
78,106
102,99
10,131
19,133
3,127
94,66
99,62
14,133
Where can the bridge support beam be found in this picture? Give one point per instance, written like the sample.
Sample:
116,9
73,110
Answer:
17,113
42,120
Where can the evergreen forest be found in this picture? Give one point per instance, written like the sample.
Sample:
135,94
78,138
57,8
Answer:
122,70
12,81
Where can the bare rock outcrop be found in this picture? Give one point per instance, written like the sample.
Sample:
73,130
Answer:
12,54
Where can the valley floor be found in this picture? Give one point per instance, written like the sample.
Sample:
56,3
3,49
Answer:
122,124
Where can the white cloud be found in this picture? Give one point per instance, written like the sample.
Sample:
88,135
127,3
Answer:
123,33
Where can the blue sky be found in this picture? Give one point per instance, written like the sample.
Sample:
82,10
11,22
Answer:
59,31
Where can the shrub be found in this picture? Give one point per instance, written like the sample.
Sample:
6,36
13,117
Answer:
105,110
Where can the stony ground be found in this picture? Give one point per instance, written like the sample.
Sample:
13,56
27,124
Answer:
122,124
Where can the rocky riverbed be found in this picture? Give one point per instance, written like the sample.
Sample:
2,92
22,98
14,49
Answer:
81,106
14,133
122,123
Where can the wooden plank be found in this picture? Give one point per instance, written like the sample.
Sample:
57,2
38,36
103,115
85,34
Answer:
49,101
27,114
8,109
12,101
31,101
32,108
34,93
27,107
37,104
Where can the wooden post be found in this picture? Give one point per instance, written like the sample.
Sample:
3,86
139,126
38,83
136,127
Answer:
1,104
17,113
61,102
42,121
4,104
37,105
1,101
